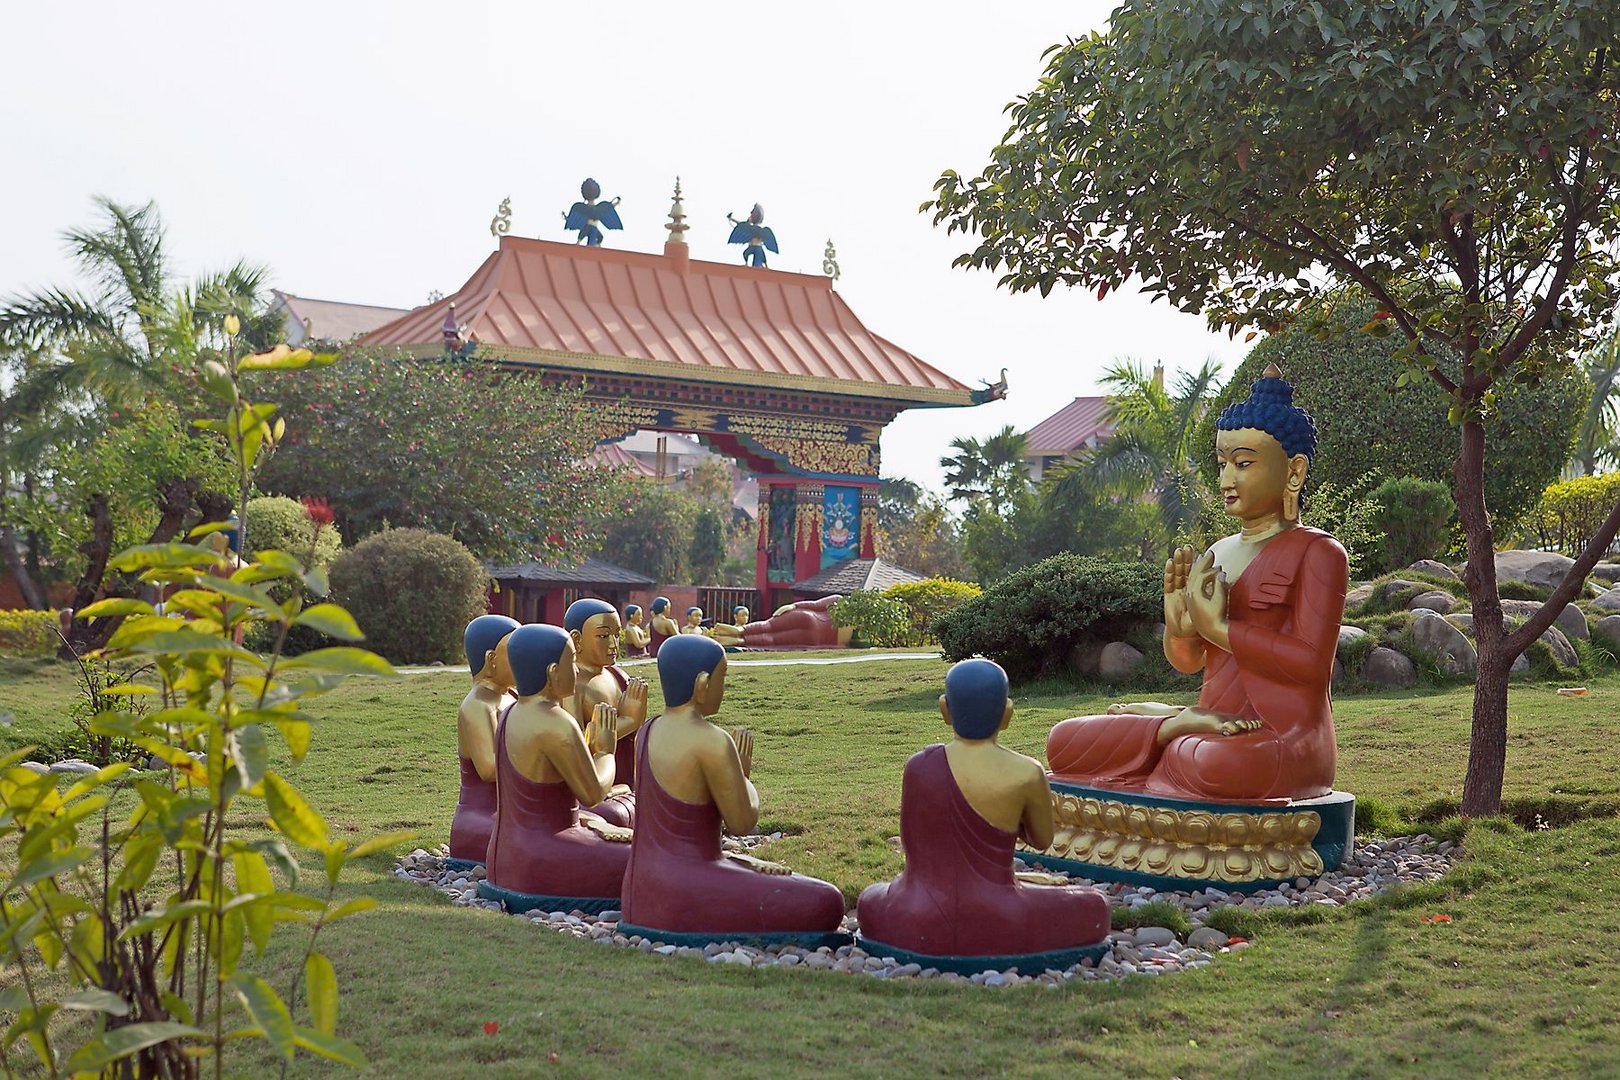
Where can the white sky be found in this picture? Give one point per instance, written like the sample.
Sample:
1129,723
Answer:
360,150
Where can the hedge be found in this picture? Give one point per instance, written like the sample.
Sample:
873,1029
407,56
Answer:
28,633
412,592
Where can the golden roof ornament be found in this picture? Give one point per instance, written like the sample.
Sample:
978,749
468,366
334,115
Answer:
829,261
677,218
501,223
1272,372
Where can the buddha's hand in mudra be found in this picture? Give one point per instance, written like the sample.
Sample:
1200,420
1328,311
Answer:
1205,597
743,739
602,733
1177,569
633,702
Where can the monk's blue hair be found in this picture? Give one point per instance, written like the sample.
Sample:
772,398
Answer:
681,660
631,609
660,605
976,697
736,609
696,609
581,610
532,649
483,634
1270,408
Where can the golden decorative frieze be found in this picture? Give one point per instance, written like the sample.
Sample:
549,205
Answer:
1210,845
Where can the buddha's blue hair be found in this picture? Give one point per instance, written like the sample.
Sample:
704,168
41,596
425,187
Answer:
482,635
1270,408
581,610
681,660
976,697
660,605
532,649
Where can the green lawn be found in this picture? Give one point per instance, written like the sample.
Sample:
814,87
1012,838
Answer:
1521,983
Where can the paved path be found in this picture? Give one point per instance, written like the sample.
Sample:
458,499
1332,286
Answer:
731,662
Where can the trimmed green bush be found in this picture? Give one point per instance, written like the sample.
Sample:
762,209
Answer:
927,600
1366,426
278,523
877,620
1030,620
1414,518
412,592
1570,512
28,633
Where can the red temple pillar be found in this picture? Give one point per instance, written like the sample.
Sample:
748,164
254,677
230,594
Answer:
762,556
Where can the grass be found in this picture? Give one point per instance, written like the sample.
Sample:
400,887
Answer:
1520,983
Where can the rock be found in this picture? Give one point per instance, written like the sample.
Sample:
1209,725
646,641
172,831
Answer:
1543,569
1388,668
1358,595
1207,938
34,767
1562,650
1463,622
1609,600
1436,569
1572,620
1154,935
1448,646
1608,629
994,978
1085,657
1350,634
1394,585
1438,601
1118,660
74,766
665,950
1607,571
1338,672
1520,665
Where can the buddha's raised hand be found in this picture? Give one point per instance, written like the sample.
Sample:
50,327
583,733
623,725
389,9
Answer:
1206,594
743,739
602,733
1177,619
633,702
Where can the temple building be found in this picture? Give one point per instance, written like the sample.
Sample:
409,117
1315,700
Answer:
772,369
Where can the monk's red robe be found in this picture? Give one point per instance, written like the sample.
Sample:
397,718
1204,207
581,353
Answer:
1284,611
957,895
475,815
679,881
538,845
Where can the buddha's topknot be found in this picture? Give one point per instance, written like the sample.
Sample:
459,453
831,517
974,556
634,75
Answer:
1270,408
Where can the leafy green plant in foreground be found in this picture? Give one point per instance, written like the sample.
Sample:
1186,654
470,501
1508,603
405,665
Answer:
134,894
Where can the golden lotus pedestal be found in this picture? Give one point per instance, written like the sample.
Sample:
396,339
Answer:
1186,845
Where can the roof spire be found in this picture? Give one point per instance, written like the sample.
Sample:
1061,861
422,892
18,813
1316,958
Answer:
675,247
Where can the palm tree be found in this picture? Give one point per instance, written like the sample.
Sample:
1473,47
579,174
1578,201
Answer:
993,470
1151,452
1597,442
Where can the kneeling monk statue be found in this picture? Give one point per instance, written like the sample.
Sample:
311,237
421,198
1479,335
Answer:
594,627
1259,613
543,851
680,887
957,905
475,738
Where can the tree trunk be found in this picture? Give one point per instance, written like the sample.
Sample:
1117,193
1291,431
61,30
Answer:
1487,744
97,550
19,571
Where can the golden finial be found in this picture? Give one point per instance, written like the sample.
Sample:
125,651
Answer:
677,218
829,261
501,223
1272,372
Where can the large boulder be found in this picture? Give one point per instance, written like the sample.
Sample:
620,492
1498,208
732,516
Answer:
1437,569
1607,571
1350,634
1085,657
1608,601
1359,594
1118,661
1572,620
1388,668
1562,650
1436,600
1448,646
1607,630
1388,589
1521,663
1543,569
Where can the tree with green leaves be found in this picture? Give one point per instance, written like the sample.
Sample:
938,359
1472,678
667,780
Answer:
993,471
1456,159
708,548
917,530
1154,451
1597,440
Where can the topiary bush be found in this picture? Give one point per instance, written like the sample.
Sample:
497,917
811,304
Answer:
1413,520
412,592
277,523
927,600
877,620
1030,620
1365,425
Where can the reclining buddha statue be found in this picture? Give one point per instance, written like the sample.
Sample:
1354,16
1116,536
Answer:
957,905
1237,788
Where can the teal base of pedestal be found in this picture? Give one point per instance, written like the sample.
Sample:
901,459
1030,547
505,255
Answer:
803,940
1026,963
460,865
1250,832
518,903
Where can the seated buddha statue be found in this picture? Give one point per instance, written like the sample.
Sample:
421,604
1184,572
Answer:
807,624
636,638
663,627
594,627
693,778
963,806
542,851
475,737
1259,614
694,621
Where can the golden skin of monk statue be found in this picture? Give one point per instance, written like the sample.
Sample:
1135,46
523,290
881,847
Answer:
546,744
663,624
694,621
480,710
1259,614
596,648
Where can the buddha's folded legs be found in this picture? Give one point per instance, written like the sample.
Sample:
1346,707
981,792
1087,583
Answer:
1109,746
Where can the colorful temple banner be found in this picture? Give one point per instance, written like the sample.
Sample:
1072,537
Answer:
840,524
780,554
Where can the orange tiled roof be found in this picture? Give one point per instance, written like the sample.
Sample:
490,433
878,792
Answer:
601,309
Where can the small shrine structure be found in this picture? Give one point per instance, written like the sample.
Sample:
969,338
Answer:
771,368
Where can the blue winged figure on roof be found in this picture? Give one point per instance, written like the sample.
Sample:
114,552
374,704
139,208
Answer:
585,216
756,234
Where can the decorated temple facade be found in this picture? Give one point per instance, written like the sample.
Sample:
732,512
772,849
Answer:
771,368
